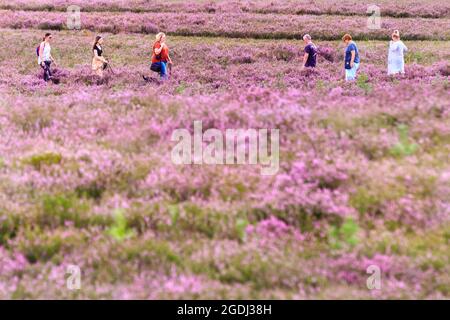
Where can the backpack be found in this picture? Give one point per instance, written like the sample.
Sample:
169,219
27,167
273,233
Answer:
155,67
38,49
315,49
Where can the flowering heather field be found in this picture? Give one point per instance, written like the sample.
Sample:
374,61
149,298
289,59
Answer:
86,176
402,8
236,25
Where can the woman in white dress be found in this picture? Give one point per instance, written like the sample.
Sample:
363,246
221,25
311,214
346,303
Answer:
396,59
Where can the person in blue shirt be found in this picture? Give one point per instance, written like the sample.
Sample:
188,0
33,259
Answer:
351,58
310,55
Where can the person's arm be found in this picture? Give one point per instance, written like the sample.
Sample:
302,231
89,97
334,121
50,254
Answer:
53,60
158,50
352,60
305,58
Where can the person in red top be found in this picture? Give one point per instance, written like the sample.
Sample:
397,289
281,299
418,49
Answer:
160,56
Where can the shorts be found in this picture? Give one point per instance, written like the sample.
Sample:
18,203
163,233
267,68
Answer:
350,74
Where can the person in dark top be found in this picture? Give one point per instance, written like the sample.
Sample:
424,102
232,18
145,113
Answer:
310,56
99,63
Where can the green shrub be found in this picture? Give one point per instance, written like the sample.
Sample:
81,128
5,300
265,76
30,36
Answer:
284,54
51,26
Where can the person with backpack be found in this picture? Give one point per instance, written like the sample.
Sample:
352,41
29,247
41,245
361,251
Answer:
99,63
310,56
351,60
45,58
396,57
160,56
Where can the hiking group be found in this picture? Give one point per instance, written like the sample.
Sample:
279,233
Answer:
161,62
396,60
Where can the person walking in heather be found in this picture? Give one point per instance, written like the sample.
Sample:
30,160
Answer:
160,57
310,55
351,60
396,59
45,58
99,63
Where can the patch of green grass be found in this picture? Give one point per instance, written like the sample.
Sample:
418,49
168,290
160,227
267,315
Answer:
38,161
39,246
58,209
419,57
240,225
90,191
34,119
191,218
181,88
364,201
163,250
413,245
152,252
376,121
404,147
368,199
9,225
120,230
345,235
174,212
363,82
42,245
197,219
